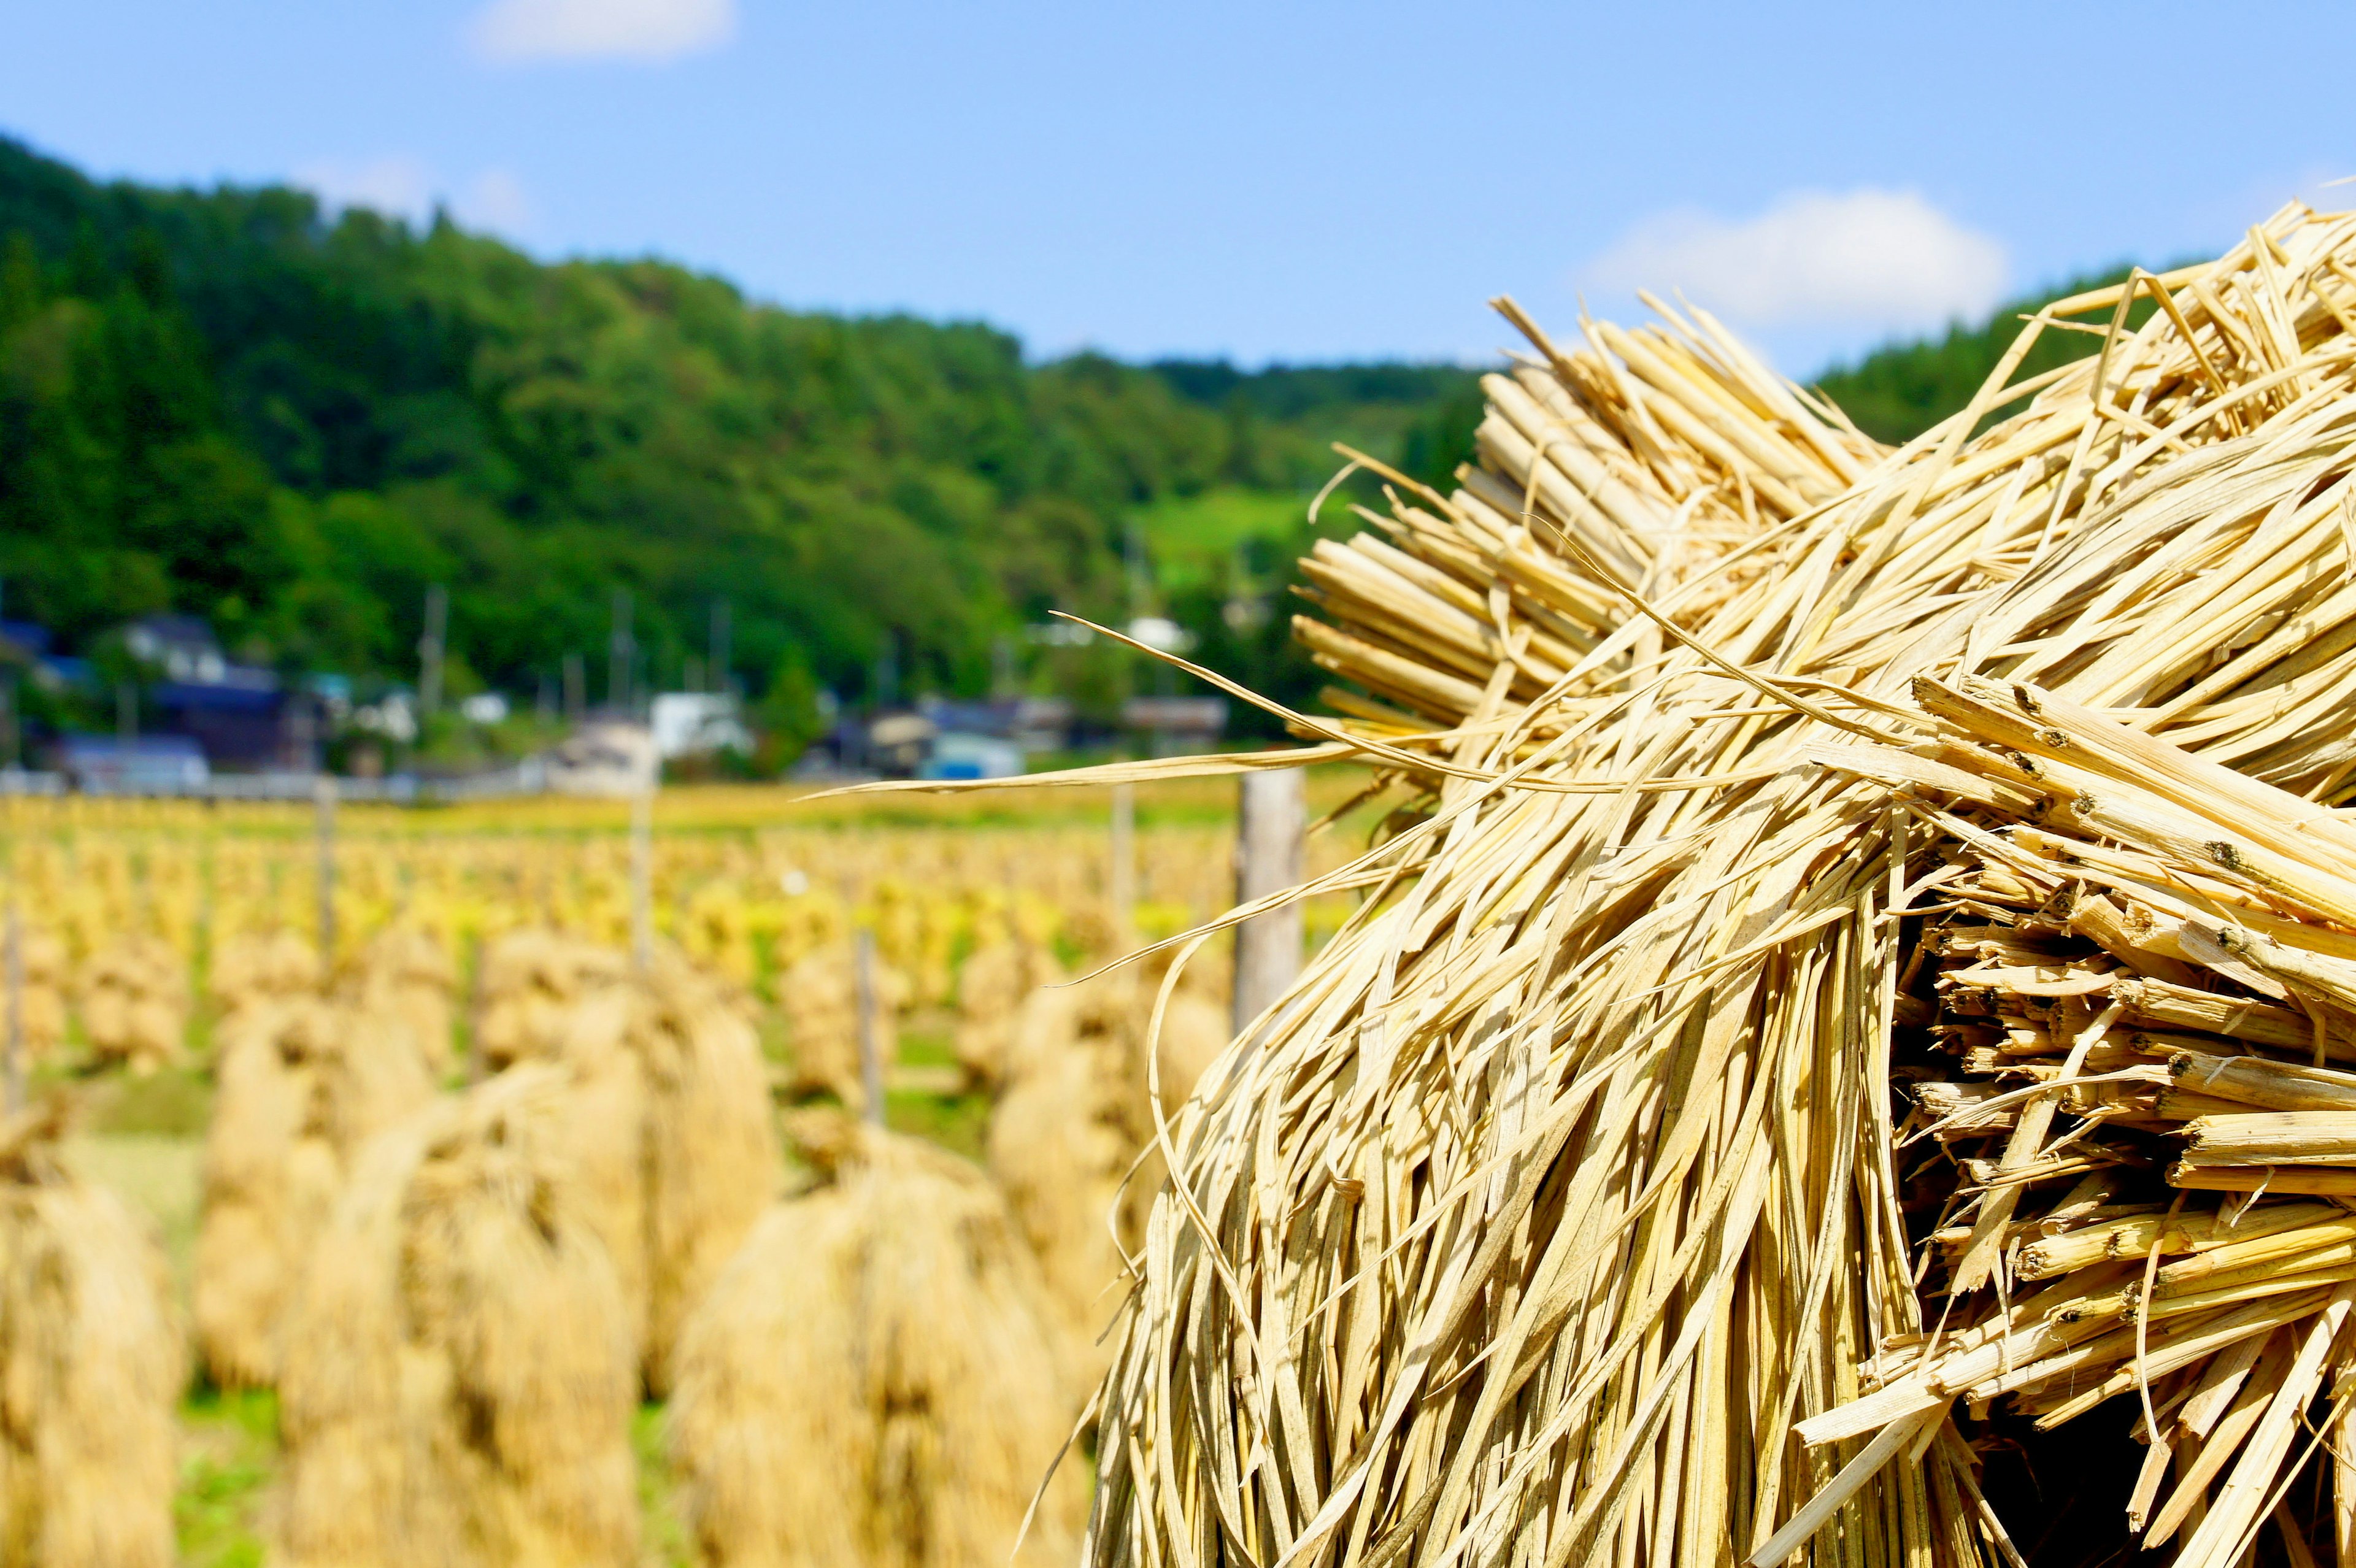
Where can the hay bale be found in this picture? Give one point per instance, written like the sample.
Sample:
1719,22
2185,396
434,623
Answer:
991,987
42,1003
302,1085
1576,1142
255,966
711,1162
876,1380
459,1379
133,997
668,1127
404,973
91,1368
820,998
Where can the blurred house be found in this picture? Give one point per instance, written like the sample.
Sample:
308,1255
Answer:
1177,726
958,754
147,764
608,757
242,716
696,724
1030,723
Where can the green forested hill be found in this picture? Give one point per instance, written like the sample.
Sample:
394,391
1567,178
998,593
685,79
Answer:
228,402
231,403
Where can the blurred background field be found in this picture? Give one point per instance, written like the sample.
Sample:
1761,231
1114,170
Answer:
746,883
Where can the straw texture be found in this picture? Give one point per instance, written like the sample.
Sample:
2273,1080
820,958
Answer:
1534,1223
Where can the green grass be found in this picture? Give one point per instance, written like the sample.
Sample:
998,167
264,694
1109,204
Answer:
229,1454
661,1537
1191,537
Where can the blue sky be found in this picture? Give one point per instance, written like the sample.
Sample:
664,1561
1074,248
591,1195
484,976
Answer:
1266,181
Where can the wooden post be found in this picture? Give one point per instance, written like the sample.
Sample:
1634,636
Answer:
871,1057
1271,821
1120,879
642,876
16,1063
323,826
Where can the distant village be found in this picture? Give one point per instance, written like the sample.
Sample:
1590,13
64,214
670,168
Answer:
191,720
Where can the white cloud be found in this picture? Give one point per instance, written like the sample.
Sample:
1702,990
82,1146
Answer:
400,186
522,30
397,186
1884,260
495,200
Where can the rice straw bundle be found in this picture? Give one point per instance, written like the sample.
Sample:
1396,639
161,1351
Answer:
820,998
1557,1195
42,1004
91,1368
459,1379
667,1125
134,1002
992,984
302,1085
874,1381
1066,1132
405,974
256,965
531,977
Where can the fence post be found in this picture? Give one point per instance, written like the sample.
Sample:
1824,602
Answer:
323,826
642,876
1271,821
870,1059
1121,881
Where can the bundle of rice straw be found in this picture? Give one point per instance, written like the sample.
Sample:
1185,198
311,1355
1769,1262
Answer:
133,998
992,984
1076,1111
820,998
90,1363
668,1123
257,966
1551,1210
459,1379
41,1005
302,1085
874,1382
404,973
531,979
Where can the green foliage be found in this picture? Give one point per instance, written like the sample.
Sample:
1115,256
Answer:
231,404
1896,392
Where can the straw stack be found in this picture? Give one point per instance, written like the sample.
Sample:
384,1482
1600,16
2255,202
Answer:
874,1382
133,998
818,996
405,974
1076,1114
459,1378
257,966
992,984
42,1004
302,1085
91,1364
1571,1154
667,1125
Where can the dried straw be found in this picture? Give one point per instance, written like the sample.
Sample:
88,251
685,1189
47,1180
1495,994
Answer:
1560,1190
459,1378
302,1085
91,1363
876,1380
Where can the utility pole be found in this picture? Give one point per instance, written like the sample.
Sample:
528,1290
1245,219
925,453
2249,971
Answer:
576,688
719,650
429,652
1270,827
126,711
619,651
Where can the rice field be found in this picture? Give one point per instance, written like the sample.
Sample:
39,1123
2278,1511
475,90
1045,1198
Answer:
178,925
